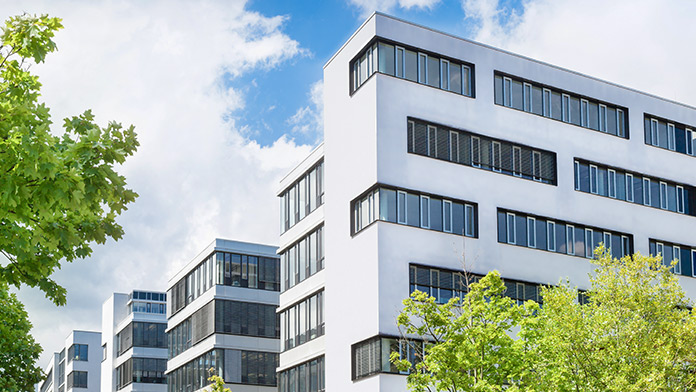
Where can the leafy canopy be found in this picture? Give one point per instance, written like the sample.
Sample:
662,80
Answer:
635,332
58,194
18,350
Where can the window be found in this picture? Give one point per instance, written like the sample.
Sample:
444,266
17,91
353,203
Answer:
303,321
593,180
497,161
307,254
689,142
401,207
77,379
551,236
612,183
663,195
625,246
511,228
646,191
670,137
607,241
475,152
680,199
447,216
676,255
536,165
516,161
629,187
465,148
576,166
422,68
570,239
78,352
531,232
469,222
425,212
571,108
589,249
303,197
306,377
444,74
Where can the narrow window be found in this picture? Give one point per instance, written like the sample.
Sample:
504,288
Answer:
689,142
602,118
519,288
497,161
629,187
425,212
516,161
536,165
444,74
593,179
607,241
447,216
401,207
570,239
475,151
588,244
584,113
511,228
646,191
654,135
469,220
551,235
693,263
612,183
399,62
566,108
369,62
531,232
431,141
676,255
454,146
663,195
411,134
546,98
466,80
680,199
527,97
576,165
422,68
670,137
661,250
507,92
625,246
621,129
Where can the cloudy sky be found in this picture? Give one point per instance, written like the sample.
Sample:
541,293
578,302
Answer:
226,97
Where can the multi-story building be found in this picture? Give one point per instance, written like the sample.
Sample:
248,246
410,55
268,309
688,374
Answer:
221,314
442,155
77,366
134,342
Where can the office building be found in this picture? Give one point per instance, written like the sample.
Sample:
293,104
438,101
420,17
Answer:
76,367
442,155
134,342
221,314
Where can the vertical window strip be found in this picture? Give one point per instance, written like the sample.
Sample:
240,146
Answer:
531,232
570,239
646,191
510,228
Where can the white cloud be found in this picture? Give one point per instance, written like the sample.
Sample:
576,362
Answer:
309,120
640,44
159,65
367,7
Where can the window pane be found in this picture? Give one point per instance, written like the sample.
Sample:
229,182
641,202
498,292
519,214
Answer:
386,58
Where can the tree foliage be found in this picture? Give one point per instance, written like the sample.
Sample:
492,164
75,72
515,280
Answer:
59,193
470,347
217,384
635,331
18,350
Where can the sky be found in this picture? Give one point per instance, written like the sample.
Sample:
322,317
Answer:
226,97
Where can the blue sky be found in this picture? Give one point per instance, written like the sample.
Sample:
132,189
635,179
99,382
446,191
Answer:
226,99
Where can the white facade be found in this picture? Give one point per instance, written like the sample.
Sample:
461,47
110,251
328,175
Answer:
119,312
366,275
223,302
76,367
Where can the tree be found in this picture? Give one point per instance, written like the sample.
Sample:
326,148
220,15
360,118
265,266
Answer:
59,192
217,383
469,346
635,333
18,350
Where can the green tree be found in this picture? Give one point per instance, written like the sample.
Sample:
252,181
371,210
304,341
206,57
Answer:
635,333
217,383
18,350
470,347
59,191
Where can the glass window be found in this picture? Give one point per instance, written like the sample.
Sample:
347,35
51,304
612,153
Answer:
612,183
402,207
455,78
470,225
531,232
411,65
511,228
680,199
629,187
646,191
670,137
496,153
546,94
570,239
433,70
589,249
663,195
466,80
594,186
444,74
475,151
527,97
447,216
422,68
398,62
425,212
566,108
507,92
551,233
